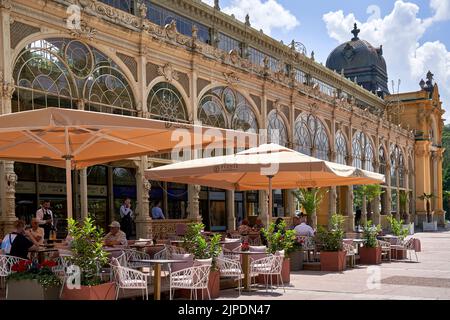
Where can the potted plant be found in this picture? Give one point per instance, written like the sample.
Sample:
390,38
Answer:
88,255
398,230
33,281
370,253
279,239
204,252
370,192
330,241
403,199
430,225
309,200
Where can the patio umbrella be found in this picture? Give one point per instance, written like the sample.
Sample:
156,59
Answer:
266,167
75,139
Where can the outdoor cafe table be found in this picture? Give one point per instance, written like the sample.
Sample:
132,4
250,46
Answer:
246,267
358,242
157,276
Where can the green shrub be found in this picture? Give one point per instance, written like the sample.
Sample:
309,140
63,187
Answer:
196,244
331,239
278,238
370,233
397,227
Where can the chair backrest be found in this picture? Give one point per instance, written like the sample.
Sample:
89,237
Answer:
261,249
180,229
349,248
189,258
231,245
171,250
384,244
277,264
6,263
122,259
200,276
203,262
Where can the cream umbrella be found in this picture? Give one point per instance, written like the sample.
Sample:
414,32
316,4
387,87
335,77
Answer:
75,139
266,167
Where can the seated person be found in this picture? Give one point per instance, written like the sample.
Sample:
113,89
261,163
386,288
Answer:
244,228
303,229
36,233
115,236
295,221
17,243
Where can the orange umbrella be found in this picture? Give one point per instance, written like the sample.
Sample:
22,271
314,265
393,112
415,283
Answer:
75,139
263,168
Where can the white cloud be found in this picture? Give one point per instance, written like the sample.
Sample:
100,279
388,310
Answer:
265,15
400,32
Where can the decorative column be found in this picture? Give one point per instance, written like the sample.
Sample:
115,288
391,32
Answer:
406,185
231,216
375,205
264,213
439,209
142,212
8,178
422,172
332,192
194,203
349,200
388,189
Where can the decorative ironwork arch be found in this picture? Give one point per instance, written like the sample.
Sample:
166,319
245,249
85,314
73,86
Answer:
310,136
362,150
165,102
276,129
341,148
397,166
224,107
58,72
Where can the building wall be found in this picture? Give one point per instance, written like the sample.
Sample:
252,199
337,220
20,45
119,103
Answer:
147,55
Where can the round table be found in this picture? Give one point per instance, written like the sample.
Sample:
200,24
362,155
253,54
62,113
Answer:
157,276
246,267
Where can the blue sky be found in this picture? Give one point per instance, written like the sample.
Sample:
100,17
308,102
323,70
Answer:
415,34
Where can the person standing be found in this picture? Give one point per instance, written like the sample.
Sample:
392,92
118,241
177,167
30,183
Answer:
126,215
358,218
44,218
157,212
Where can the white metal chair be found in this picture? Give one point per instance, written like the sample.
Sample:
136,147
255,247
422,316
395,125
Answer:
193,278
230,268
60,270
385,250
410,247
6,263
127,278
350,253
268,266
131,255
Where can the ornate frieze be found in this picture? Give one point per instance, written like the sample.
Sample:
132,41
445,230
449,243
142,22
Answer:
84,31
231,78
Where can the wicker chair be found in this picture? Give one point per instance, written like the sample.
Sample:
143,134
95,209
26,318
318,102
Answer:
230,268
192,278
268,266
6,263
350,253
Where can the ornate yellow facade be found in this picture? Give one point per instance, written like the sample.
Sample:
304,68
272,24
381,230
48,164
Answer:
123,62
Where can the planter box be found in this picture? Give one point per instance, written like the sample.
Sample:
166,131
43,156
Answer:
429,226
31,290
213,287
332,261
296,259
105,291
285,274
370,255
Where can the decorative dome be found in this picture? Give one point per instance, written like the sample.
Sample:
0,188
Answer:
359,59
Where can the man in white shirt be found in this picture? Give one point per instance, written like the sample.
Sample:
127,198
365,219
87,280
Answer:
126,216
44,217
303,229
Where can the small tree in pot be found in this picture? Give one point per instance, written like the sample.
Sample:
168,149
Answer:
427,197
196,244
279,239
309,200
89,256
370,253
330,241
397,228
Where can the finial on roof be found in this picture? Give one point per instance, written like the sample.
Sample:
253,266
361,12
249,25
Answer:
312,55
355,32
422,84
216,5
247,20
430,76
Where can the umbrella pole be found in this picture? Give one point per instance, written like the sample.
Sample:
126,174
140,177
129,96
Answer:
270,209
69,187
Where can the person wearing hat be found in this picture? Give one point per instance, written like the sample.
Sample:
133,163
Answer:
115,236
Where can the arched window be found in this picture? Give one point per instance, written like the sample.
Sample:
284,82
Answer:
394,161
166,103
276,129
382,160
226,108
310,137
58,72
401,171
362,151
341,148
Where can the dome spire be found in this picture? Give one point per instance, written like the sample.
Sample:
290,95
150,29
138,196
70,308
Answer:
355,32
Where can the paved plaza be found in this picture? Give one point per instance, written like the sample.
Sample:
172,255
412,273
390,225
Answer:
427,279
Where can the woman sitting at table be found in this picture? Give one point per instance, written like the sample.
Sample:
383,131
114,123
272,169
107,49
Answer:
17,243
244,228
35,233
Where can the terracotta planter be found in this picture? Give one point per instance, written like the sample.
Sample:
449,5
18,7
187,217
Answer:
31,290
296,259
285,274
105,291
213,287
370,255
332,261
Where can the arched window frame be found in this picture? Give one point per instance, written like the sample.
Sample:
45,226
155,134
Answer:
276,129
310,137
165,102
341,148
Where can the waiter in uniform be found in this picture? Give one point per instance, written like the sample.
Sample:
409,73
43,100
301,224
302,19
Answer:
44,217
